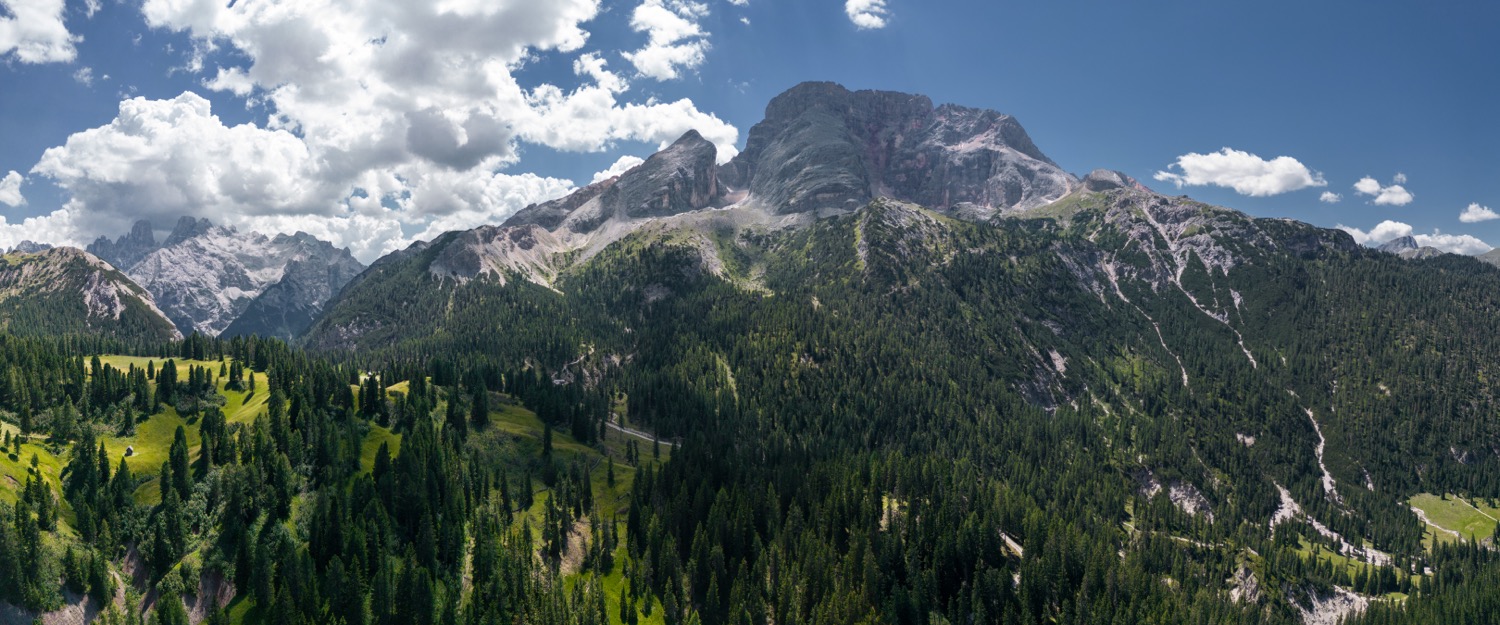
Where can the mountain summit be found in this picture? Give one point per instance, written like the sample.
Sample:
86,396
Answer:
821,152
824,148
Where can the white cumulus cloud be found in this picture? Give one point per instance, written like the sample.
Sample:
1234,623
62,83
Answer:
34,32
619,167
590,120
384,118
1381,233
10,189
160,159
1329,197
371,84
164,158
1393,195
596,68
1387,230
1242,171
57,228
1476,213
867,14
676,41
1467,245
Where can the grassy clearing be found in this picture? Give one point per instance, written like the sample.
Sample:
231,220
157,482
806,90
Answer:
1322,554
239,406
524,432
15,468
123,363
153,437
614,586
152,441
1339,561
150,447
371,446
244,406
1471,520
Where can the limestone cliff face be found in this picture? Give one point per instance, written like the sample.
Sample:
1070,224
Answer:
824,148
314,273
128,249
678,179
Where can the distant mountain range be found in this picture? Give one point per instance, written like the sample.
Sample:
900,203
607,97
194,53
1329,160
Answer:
219,281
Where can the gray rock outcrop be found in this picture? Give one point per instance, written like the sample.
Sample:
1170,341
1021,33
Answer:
822,147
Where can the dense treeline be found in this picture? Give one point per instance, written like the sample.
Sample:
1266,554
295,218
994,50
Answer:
387,545
1463,591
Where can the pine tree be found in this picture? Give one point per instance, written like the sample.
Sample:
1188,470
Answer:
479,408
181,477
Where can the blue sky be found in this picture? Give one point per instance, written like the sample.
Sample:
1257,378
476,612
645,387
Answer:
320,115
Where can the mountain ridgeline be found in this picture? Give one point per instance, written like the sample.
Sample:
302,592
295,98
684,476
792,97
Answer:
896,366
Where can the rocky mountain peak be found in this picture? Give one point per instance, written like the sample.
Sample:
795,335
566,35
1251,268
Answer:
1101,180
127,250
1407,248
824,148
187,228
30,247
680,178
208,278
1399,244
65,289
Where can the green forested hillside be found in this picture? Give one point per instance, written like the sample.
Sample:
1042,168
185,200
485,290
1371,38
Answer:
66,291
1124,409
995,375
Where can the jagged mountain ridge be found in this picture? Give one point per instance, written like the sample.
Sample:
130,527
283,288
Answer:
30,247
69,291
218,281
821,150
127,250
